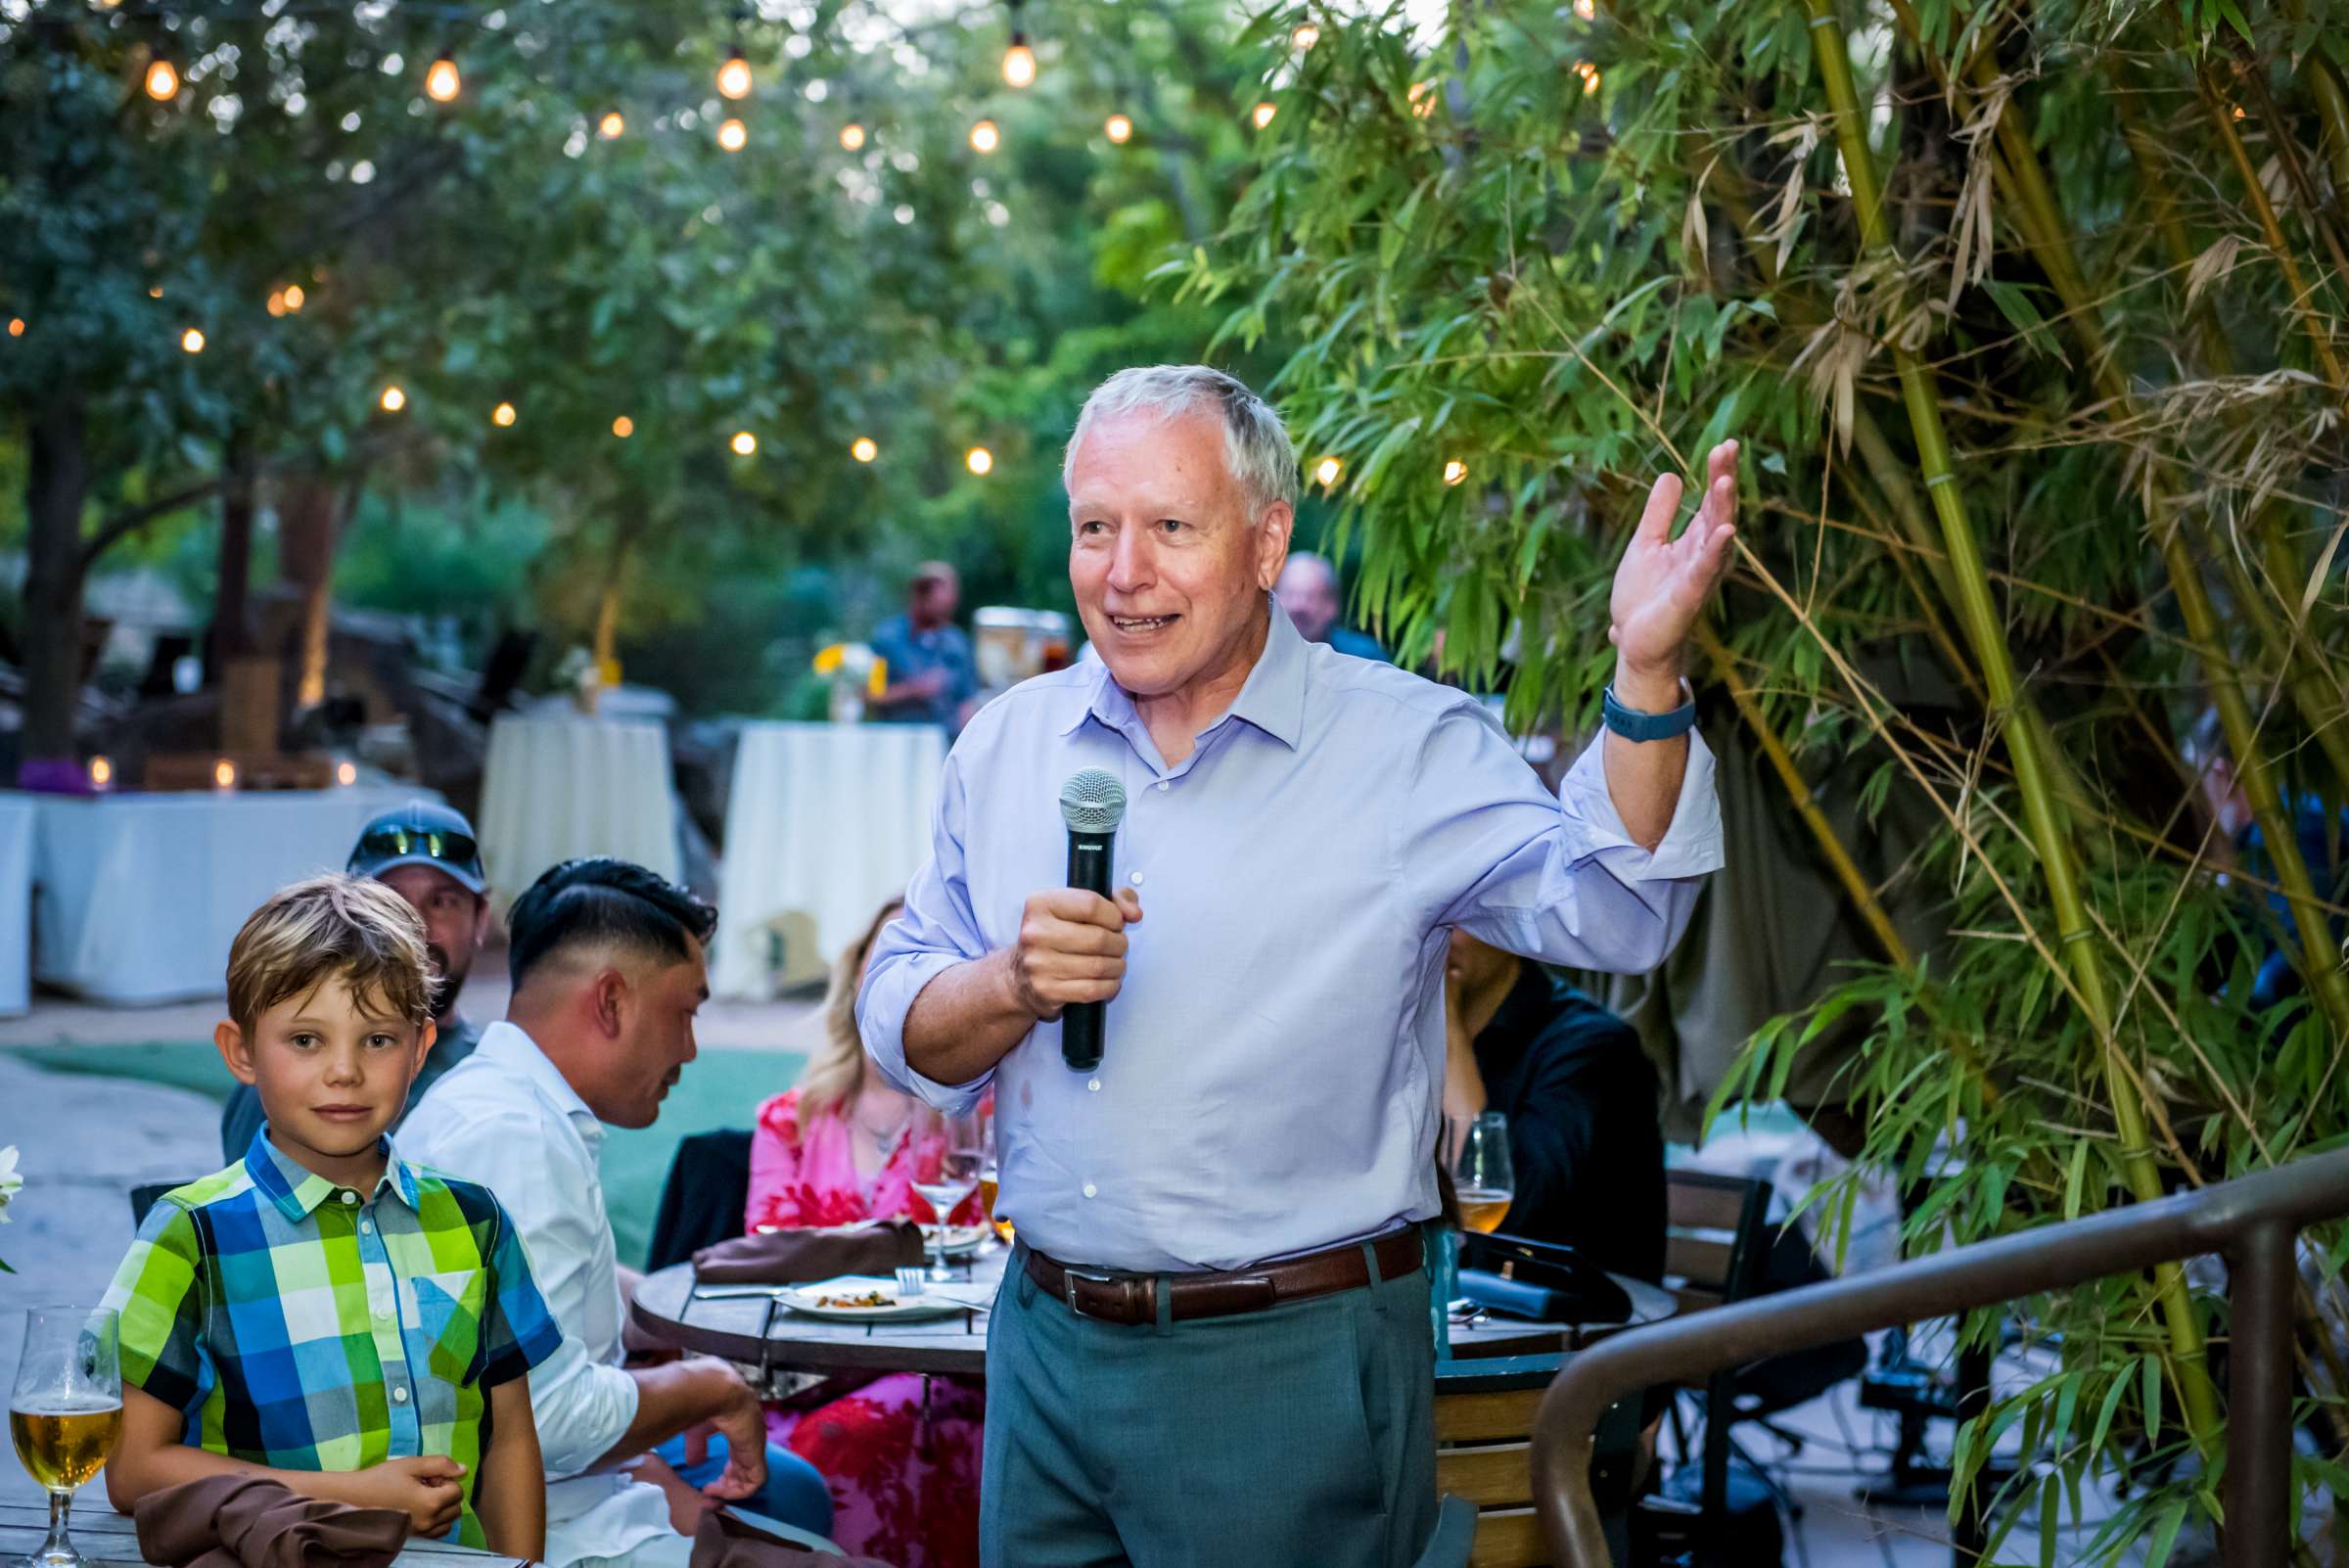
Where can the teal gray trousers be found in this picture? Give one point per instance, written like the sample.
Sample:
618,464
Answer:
1298,1437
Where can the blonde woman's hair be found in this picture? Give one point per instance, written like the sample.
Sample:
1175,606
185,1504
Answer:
835,1075
351,927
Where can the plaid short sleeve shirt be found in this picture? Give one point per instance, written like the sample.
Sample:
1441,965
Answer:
308,1326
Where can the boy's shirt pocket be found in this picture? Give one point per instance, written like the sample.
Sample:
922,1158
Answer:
447,1308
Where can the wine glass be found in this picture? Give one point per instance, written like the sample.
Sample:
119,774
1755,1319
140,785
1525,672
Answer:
990,1172
960,1157
1481,1173
67,1410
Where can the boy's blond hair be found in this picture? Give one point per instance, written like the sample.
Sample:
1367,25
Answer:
331,926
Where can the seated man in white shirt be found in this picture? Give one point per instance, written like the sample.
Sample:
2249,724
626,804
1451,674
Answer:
608,972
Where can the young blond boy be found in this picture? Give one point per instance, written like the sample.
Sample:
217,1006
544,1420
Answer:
321,1313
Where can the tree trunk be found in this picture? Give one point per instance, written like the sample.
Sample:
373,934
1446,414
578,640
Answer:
310,516
232,616
54,490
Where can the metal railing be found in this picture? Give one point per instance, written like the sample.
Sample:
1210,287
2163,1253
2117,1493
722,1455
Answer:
2254,1220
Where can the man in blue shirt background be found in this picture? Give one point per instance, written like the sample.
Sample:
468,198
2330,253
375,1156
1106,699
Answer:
1309,591
932,676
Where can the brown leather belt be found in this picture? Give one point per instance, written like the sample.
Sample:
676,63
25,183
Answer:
1133,1299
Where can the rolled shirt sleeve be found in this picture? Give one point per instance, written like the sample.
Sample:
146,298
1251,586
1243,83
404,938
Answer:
1486,850
937,932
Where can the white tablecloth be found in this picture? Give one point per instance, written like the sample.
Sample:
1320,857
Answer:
137,897
823,821
555,789
16,903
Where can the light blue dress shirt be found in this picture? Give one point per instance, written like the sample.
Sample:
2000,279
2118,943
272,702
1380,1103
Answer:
1275,1057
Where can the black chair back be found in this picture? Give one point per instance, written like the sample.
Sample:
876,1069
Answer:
704,1200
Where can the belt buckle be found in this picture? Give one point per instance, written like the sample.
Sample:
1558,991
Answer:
1068,1288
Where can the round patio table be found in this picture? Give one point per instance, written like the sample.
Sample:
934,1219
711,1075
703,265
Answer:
746,1324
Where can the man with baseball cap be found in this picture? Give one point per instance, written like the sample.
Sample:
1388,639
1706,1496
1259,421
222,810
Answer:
427,855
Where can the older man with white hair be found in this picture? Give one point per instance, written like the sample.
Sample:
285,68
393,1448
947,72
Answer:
1214,1346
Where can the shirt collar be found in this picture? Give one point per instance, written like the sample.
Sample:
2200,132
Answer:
1273,698
506,1045
297,1191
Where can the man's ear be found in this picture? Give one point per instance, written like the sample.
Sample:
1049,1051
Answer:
608,997
235,1050
480,921
1274,528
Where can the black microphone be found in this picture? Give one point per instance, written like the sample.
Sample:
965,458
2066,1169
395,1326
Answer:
1092,803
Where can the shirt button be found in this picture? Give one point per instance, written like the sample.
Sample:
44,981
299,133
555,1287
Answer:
1137,879
1162,786
349,1196
366,1227
383,1313
399,1395
1088,1189
1094,1085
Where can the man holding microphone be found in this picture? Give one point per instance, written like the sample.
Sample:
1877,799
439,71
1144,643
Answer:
1214,1346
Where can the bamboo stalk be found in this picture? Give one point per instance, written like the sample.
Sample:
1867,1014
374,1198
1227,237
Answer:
2331,99
2048,830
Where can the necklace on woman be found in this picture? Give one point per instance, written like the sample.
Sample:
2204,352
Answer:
885,1141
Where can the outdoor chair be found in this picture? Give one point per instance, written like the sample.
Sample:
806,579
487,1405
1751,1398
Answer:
704,1198
1484,1422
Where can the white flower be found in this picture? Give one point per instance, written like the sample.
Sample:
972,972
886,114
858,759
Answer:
10,1181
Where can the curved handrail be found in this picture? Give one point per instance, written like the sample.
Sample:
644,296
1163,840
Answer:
2252,1218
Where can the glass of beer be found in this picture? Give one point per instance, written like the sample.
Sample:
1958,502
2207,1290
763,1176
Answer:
67,1410
1481,1173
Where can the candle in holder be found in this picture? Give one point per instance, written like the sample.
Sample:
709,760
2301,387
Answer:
347,773
224,774
101,774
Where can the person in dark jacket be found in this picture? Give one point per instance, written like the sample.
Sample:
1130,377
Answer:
1581,1099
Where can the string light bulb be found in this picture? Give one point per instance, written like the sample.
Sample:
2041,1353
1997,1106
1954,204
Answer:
610,126
984,138
294,297
1326,472
1019,62
442,81
624,427
734,76
852,136
1264,114
745,443
502,415
1455,471
979,460
162,80
15,326
1117,128
1422,98
393,399
733,136
1588,10
1305,38
864,449
155,292
277,301
192,341
1589,74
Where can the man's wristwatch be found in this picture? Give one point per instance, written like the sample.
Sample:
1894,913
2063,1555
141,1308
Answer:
1634,725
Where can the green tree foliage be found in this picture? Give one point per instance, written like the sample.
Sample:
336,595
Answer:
2027,316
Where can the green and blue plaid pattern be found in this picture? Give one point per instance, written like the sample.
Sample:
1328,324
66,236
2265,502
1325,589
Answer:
308,1326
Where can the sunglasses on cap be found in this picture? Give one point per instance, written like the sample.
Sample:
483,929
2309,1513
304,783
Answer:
395,841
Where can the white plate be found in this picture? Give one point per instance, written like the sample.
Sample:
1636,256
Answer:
961,1240
807,1298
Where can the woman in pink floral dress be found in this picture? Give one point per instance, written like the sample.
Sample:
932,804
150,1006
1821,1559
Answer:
902,1453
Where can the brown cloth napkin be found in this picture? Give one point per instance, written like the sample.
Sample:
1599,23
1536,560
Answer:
796,1257
243,1521
726,1541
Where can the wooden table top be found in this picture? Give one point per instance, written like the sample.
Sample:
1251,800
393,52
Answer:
109,1538
759,1331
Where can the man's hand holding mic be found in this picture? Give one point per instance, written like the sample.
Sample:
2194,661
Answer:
1070,949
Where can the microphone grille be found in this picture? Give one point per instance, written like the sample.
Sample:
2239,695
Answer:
1093,801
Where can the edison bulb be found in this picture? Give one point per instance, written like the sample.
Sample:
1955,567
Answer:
192,341
610,126
393,399
277,301
1422,98
734,76
294,297
1263,115
979,460
864,449
1306,37
15,326
1326,470
732,136
1586,9
162,82
624,427
1019,62
1118,130
1455,471
984,138
744,443
852,136
440,82
502,415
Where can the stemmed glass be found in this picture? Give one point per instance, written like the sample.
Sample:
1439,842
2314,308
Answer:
1481,1173
990,1173
67,1410
960,1157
